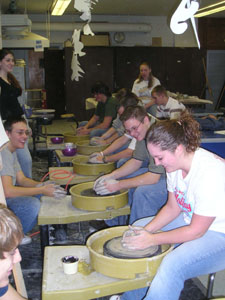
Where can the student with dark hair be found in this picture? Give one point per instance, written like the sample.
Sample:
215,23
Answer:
105,112
11,234
22,193
10,90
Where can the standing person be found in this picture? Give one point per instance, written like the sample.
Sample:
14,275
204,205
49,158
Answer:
143,86
194,216
11,234
167,107
22,193
10,90
105,112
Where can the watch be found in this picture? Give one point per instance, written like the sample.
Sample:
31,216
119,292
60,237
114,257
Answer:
119,37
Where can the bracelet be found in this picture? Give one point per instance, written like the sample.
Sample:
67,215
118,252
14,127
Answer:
101,153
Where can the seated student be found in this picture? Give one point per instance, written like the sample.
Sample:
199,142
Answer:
117,129
167,107
11,234
147,185
21,192
104,114
194,216
122,147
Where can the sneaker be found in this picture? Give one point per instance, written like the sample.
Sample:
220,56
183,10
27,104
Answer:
115,297
26,240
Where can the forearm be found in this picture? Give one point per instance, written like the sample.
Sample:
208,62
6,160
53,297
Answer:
128,168
116,145
166,215
143,179
127,153
28,182
16,191
149,104
112,138
91,122
108,133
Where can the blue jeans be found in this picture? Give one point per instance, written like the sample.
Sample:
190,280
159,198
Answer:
26,209
143,204
148,199
211,124
201,256
94,132
152,110
25,160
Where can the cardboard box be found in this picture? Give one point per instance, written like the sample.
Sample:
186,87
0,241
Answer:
96,40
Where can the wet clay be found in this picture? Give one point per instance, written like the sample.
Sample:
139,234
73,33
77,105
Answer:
92,193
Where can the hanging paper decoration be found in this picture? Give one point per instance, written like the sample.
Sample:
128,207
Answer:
184,11
84,6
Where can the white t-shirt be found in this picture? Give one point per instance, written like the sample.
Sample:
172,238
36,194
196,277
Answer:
202,191
132,144
142,90
171,110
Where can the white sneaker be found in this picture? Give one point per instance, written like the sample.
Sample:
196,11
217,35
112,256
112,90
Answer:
115,297
26,240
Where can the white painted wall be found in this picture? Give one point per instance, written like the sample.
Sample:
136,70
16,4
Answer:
160,28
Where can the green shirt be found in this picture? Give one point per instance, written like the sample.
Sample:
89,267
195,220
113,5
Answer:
107,109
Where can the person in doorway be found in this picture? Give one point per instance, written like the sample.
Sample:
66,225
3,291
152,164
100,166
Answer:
143,86
22,193
104,114
167,107
194,216
10,90
11,234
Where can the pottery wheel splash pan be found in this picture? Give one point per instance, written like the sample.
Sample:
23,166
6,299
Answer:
121,267
82,167
114,248
81,200
83,147
71,137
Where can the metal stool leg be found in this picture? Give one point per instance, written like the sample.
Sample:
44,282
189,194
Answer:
210,285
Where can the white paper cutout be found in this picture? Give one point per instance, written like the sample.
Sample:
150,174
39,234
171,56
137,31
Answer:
87,30
194,26
84,6
75,65
182,14
185,11
78,46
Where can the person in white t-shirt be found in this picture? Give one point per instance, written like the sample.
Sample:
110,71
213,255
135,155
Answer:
167,107
143,86
194,216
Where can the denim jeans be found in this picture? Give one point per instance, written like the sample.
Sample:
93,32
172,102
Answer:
201,256
144,200
25,160
94,132
26,209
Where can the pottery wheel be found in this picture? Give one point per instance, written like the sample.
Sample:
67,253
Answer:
115,249
92,193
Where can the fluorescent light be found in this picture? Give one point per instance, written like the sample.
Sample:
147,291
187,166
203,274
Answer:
59,6
211,9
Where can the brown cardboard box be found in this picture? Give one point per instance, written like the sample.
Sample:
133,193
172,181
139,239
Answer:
96,40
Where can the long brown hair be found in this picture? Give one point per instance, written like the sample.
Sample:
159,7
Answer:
171,133
150,78
11,78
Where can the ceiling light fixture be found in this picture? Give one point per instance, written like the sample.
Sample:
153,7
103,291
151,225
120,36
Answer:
211,9
59,6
